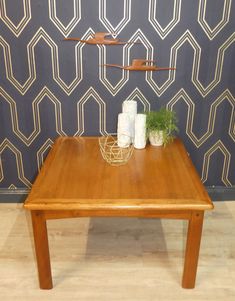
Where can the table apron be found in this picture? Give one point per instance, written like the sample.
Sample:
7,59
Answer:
168,214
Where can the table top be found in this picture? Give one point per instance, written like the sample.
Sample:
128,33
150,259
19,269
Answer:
76,177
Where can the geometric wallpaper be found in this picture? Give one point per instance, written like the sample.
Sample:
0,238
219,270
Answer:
50,87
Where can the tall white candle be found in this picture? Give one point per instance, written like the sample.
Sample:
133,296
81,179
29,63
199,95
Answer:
140,131
123,130
130,107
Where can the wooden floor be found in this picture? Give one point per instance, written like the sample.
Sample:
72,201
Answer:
117,258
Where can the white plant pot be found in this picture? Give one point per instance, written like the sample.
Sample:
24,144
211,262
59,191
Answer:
156,138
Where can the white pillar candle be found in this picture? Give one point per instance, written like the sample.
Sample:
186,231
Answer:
140,131
123,130
130,107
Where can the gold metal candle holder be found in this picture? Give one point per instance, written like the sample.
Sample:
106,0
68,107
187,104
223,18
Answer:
112,153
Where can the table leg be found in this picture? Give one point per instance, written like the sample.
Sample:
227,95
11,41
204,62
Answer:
42,249
192,249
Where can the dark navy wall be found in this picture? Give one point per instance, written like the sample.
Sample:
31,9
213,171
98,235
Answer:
51,87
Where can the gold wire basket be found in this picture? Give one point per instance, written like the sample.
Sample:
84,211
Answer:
112,153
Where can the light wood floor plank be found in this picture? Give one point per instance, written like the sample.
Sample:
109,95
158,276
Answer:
117,258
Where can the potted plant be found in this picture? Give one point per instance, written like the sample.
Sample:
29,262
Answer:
161,126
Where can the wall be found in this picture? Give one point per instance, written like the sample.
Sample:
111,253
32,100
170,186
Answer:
51,87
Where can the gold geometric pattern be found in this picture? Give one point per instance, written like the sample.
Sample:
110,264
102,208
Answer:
212,32
218,146
19,162
16,29
164,31
226,95
65,30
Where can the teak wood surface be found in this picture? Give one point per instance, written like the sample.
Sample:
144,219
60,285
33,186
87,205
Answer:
75,181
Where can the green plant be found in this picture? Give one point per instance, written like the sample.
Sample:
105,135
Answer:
163,120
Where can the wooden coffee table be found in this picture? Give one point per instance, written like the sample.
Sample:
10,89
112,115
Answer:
156,182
